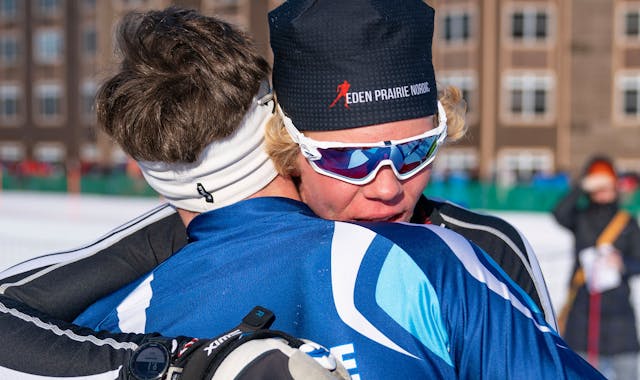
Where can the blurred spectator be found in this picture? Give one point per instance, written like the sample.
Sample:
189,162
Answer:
32,168
598,320
628,184
546,180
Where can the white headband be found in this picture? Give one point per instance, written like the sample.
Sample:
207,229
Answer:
226,172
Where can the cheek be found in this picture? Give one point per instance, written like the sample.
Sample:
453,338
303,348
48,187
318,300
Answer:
604,196
414,186
326,196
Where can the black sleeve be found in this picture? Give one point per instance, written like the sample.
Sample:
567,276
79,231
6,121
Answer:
503,242
39,346
62,285
566,210
631,253
35,344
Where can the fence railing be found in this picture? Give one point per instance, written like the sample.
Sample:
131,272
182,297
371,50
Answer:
112,184
471,194
480,195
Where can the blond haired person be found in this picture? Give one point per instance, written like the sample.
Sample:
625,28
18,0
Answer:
156,236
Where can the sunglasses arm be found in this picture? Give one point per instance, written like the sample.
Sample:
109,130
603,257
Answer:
309,152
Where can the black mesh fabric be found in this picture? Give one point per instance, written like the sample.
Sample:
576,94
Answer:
346,64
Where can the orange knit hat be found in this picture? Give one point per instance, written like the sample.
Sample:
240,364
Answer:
602,168
600,174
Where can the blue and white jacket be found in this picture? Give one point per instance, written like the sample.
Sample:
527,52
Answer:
391,300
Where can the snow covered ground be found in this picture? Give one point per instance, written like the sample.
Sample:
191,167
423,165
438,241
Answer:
32,224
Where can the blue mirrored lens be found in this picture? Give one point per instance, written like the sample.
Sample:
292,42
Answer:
357,163
415,153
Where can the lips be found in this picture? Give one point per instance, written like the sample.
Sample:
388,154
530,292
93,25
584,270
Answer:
399,217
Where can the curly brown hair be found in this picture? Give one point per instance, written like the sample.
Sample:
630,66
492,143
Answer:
184,80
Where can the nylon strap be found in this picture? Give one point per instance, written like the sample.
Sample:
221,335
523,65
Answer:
614,228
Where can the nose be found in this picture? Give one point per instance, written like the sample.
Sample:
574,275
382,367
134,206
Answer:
385,186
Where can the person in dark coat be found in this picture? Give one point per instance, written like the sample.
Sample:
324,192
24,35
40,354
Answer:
600,321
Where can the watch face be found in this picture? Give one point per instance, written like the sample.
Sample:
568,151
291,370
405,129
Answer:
149,362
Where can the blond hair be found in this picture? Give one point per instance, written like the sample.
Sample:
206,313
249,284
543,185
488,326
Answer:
284,152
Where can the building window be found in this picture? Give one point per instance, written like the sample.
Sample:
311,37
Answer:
8,50
522,165
631,102
529,25
49,152
88,96
632,23
133,3
529,95
463,81
89,153
49,7
8,9
456,162
630,87
11,152
119,157
48,46
227,2
89,5
49,101
89,41
457,27
9,102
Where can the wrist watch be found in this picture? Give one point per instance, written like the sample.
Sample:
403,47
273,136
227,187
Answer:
150,361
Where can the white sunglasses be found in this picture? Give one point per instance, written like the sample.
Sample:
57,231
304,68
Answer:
358,163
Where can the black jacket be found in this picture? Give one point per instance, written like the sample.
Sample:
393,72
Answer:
587,220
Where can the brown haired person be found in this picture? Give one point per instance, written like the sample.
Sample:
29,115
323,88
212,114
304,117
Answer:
600,320
138,246
396,300
179,73
494,235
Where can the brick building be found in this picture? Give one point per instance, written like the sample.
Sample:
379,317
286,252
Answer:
548,82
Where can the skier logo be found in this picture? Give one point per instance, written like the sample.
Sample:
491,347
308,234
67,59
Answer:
342,90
